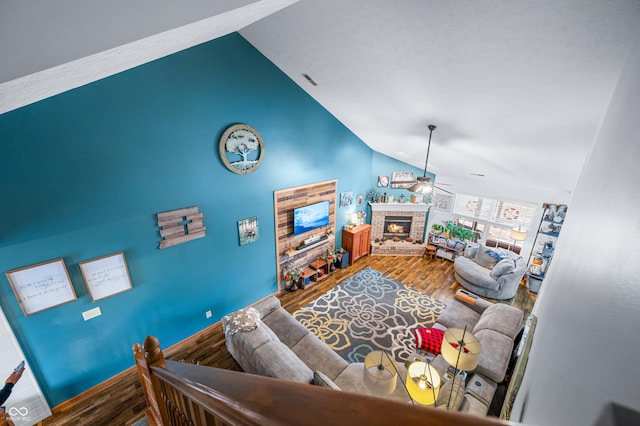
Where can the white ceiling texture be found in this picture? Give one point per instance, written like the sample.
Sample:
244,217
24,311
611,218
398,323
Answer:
516,88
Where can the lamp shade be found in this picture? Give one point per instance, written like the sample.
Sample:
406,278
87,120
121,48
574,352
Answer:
518,234
460,349
423,383
380,372
421,187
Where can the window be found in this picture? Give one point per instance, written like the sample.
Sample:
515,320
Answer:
476,207
492,220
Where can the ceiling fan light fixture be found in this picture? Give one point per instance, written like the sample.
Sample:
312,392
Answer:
427,189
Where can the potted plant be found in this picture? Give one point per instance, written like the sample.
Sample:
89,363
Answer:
457,231
373,196
342,258
292,278
437,229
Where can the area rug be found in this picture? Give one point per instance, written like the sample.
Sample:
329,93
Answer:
369,311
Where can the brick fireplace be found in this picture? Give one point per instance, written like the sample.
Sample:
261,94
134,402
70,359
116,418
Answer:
398,219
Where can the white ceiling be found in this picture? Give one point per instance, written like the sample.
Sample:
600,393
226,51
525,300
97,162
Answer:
516,88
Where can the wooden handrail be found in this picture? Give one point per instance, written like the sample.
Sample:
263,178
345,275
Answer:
199,395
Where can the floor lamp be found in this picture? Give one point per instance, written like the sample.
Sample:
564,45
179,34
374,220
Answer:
461,350
517,235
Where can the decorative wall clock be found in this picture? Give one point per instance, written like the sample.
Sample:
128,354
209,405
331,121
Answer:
241,149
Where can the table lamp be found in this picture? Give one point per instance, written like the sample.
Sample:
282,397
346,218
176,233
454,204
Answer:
461,350
423,383
380,372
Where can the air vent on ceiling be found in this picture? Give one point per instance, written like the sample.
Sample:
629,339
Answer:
309,79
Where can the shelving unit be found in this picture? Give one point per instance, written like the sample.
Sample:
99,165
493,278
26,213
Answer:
545,244
443,249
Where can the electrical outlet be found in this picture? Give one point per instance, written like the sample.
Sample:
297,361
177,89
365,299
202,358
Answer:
208,314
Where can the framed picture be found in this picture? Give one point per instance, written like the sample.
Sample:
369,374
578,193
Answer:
42,286
443,202
346,198
106,276
398,177
383,181
360,199
248,230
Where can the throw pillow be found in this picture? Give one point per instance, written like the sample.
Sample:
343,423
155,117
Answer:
470,251
486,257
504,253
453,396
243,320
429,339
505,266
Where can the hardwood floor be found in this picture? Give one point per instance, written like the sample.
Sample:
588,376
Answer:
120,401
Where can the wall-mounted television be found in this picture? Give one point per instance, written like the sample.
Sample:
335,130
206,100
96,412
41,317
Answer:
312,216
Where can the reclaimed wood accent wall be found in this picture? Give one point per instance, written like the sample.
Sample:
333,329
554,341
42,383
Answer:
285,200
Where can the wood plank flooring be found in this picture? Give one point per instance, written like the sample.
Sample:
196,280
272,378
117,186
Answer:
120,401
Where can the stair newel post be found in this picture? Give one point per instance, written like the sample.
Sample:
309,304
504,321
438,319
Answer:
153,353
155,358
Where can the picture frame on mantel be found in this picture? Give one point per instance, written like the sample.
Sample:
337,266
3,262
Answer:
106,276
41,286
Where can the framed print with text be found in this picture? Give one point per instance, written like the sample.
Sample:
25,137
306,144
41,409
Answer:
42,286
106,276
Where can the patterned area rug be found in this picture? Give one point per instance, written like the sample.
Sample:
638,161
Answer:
369,311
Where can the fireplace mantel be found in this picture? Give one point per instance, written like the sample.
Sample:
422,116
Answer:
400,207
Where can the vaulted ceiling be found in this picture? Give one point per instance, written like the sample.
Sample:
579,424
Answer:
517,89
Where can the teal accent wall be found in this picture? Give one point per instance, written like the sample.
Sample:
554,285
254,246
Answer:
84,173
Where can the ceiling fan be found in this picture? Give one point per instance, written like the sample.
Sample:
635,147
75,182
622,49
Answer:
423,183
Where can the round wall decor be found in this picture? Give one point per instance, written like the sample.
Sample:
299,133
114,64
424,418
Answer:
241,148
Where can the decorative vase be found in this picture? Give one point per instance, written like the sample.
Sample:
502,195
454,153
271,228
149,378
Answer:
293,286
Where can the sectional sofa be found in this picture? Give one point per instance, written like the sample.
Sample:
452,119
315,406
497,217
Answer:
496,326
277,345
271,342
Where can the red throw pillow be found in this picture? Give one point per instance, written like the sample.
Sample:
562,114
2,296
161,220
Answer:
429,339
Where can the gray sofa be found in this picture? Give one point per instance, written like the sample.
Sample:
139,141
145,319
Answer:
496,326
283,348
490,272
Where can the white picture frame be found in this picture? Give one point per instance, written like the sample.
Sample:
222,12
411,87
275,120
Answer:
443,202
41,286
106,276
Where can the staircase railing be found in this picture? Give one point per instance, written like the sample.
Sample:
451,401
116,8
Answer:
186,394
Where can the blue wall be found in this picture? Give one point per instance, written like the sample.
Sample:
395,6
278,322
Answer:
84,173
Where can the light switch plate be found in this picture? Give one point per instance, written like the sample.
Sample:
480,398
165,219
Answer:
91,313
